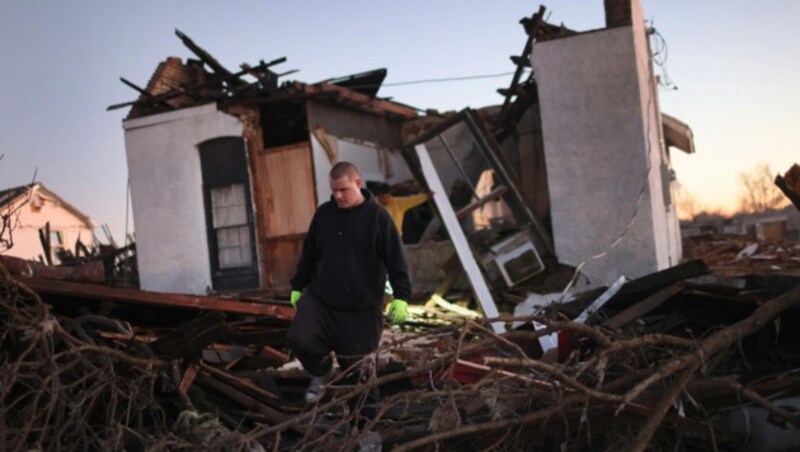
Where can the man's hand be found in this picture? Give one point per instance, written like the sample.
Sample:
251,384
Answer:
294,297
398,311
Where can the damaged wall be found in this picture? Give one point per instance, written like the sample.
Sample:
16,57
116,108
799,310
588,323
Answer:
371,142
602,140
167,195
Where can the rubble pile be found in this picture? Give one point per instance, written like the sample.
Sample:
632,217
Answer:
63,387
670,357
737,255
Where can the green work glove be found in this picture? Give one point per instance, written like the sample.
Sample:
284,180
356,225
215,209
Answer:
398,311
294,298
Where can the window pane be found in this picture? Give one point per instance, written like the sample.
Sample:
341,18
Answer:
234,247
228,206
247,250
229,258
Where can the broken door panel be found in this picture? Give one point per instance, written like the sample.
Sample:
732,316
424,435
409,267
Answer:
458,237
502,232
288,204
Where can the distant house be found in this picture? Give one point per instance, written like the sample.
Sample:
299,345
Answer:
28,209
774,225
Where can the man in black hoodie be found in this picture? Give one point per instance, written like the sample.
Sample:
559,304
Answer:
351,245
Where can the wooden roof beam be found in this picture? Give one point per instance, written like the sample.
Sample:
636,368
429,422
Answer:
115,294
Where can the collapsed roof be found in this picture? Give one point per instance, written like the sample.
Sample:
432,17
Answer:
176,85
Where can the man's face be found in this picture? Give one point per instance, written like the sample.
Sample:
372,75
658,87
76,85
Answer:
346,191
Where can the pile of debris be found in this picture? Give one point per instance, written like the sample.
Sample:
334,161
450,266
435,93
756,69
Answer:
674,356
736,255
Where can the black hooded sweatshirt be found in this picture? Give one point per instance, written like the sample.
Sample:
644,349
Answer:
347,254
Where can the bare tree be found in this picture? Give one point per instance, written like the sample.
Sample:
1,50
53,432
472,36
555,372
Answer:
9,217
9,220
759,193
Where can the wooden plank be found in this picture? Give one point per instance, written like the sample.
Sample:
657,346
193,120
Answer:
191,338
269,352
643,307
286,203
206,57
188,379
92,271
281,260
655,281
536,21
97,292
240,382
240,397
289,176
286,238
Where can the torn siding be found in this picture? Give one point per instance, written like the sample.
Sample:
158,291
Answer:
372,142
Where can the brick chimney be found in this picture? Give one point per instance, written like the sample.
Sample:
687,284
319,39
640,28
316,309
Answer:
618,13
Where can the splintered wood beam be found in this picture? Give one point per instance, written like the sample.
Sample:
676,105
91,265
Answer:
535,22
188,378
115,294
238,382
241,397
160,98
191,338
518,60
794,197
494,195
643,307
135,87
206,58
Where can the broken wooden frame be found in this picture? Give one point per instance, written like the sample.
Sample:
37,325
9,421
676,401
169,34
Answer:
455,160
459,239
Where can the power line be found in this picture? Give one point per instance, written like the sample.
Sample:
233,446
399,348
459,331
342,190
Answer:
449,79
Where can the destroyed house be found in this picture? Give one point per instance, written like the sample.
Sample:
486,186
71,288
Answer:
572,168
226,173
581,150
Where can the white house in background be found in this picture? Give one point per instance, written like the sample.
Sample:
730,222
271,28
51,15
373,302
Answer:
606,147
29,208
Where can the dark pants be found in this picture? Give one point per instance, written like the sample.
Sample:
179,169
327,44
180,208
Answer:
317,330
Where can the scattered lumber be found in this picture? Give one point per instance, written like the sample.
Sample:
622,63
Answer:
669,359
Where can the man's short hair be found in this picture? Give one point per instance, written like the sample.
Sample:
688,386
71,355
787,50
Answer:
382,188
343,169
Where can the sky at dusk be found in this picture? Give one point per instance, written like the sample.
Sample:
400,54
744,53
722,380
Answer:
734,64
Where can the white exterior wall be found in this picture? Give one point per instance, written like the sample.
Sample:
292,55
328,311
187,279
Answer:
665,218
167,195
600,127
